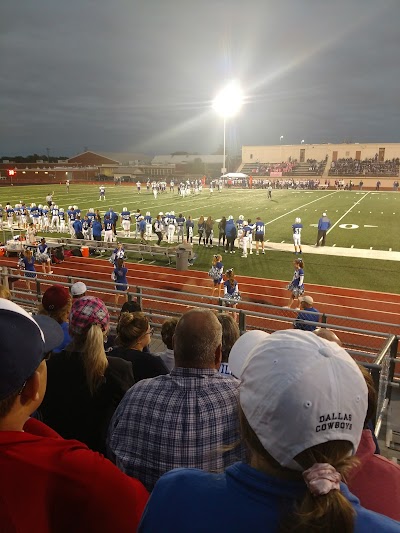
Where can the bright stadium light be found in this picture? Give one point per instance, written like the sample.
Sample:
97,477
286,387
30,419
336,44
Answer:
228,103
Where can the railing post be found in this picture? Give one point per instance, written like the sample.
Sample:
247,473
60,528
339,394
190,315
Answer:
242,322
4,277
38,292
324,319
139,294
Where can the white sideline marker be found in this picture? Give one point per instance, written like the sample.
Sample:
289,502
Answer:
282,242
390,249
371,248
352,246
333,245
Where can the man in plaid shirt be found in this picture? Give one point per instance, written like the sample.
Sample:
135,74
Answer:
183,419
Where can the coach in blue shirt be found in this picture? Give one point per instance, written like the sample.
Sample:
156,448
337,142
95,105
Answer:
323,225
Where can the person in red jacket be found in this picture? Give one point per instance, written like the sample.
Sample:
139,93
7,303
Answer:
50,484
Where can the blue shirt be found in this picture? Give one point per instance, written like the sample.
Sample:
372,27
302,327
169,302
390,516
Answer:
297,228
306,314
96,228
230,229
324,223
296,276
77,225
240,500
260,227
120,274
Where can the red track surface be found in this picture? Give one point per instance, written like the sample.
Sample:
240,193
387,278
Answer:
357,304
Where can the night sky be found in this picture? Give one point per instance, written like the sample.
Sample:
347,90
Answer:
129,76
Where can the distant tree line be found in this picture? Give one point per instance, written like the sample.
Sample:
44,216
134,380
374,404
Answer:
32,158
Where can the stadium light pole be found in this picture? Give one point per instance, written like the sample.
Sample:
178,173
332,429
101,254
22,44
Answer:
227,104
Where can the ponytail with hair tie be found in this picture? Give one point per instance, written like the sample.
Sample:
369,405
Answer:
321,478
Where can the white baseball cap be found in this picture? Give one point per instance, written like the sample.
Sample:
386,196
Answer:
78,288
242,348
299,390
324,214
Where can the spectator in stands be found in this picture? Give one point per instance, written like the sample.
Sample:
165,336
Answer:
323,225
78,290
52,484
133,335
186,418
84,386
303,402
127,307
308,312
328,335
242,348
167,334
230,334
376,480
56,303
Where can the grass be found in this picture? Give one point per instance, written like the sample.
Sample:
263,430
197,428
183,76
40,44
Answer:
359,219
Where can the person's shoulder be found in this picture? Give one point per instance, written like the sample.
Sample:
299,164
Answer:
117,364
370,521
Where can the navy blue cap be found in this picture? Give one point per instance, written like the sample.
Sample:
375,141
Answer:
24,342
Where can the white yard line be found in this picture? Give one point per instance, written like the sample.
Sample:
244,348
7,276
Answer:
300,207
348,211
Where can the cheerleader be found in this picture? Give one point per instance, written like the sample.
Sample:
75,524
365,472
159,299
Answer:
118,253
231,289
216,272
201,228
43,257
119,276
209,230
27,263
297,283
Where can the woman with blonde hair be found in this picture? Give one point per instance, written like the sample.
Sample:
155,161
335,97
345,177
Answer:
84,386
303,402
133,336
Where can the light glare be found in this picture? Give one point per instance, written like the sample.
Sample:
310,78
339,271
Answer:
229,101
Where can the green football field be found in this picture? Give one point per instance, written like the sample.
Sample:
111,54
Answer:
360,219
